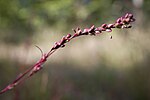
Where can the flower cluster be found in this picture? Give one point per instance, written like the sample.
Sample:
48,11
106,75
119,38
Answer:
122,22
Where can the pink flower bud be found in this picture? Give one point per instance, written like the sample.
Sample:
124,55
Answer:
130,16
110,25
108,30
85,30
118,20
68,36
127,15
104,25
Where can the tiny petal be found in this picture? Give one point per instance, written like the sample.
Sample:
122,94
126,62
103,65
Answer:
62,40
108,30
104,25
92,28
110,26
132,20
117,25
77,28
131,15
97,32
123,26
79,31
118,20
102,29
10,86
85,30
68,36
62,46
75,35
127,20
129,26
127,15
56,45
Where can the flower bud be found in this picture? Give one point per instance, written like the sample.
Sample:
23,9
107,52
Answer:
104,25
127,15
68,36
130,16
110,26
108,30
92,28
118,20
117,25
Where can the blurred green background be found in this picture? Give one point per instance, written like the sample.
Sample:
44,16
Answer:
88,68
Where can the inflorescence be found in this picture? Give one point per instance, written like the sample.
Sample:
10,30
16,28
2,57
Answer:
121,23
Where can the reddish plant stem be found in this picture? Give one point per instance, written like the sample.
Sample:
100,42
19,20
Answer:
121,23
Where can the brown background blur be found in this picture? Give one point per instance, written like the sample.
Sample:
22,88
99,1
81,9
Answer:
89,67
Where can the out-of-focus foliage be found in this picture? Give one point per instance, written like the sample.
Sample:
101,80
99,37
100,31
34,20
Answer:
20,19
146,7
